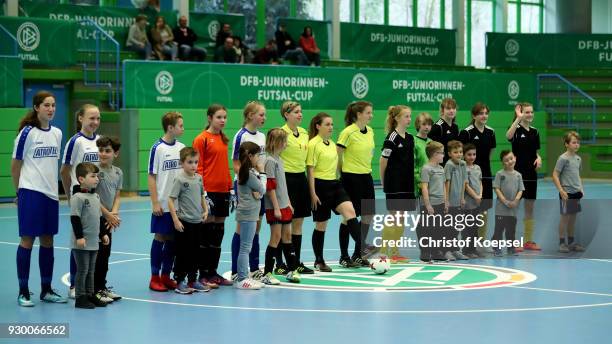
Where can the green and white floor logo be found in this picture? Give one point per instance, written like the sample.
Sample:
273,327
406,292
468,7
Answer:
414,277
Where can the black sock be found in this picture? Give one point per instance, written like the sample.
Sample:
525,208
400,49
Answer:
364,230
296,240
561,241
343,235
570,240
278,255
204,253
270,252
287,249
215,248
355,231
318,240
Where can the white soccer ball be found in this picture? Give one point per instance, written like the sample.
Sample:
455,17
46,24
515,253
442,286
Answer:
380,265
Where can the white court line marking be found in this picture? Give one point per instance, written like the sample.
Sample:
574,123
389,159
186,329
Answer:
562,291
70,248
67,214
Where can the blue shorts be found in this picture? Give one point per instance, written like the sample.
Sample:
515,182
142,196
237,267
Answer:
37,214
162,224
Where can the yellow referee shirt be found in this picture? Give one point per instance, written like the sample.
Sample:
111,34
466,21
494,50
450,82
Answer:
294,155
358,149
323,157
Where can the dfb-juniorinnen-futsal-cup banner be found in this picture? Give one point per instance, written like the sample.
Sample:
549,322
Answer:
180,85
206,26
549,50
43,42
369,42
115,21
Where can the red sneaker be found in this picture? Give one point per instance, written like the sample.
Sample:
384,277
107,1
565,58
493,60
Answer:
519,249
156,285
398,259
219,280
168,282
532,246
209,283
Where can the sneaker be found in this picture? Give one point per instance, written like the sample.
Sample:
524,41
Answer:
183,288
322,267
269,279
24,299
563,248
520,248
473,255
234,277
369,251
156,285
347,262
449,257
52,297
101,295
425,258
110,293
71,293
84,302
397,259
247,284
532,246
438,256
302,269
361,261
512,251
199,287
219,280
293,277
168,282
497,252
257,275
460,256
576,247
98,302
207,282
281,270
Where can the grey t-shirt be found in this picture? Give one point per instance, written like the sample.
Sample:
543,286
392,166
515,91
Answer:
87,207
276,170
188,192
568,166
434,177
249,206
474,178
510,183
111,182
457,175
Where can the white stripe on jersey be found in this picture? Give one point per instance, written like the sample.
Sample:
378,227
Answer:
165,163
243,135
80,149
39,150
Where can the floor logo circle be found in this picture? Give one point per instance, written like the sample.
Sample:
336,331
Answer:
414,277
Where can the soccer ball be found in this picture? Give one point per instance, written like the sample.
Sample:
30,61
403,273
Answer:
380,265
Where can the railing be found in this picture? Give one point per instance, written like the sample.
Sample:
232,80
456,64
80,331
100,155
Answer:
8,43
568,106
99,54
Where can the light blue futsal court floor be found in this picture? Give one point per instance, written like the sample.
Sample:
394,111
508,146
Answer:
540,299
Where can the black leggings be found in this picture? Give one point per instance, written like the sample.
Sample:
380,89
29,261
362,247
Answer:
186,251
104,252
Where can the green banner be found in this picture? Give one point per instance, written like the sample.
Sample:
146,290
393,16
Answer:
396,43
115,21
42,41
168,85
549,50
11,81
321,31
206,26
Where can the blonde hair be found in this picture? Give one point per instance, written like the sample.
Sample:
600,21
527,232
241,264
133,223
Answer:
170,118
81,113
433,147
422,118
249,109
288,106
567,138
275,139
392,115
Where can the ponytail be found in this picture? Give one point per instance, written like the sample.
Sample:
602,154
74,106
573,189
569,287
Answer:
245,162
31,117
353,109
316,120
392,114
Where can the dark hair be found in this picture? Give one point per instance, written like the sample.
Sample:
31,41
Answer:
352,109
304,32
246,149
316,120
31,118
448,103
187,152
85,168
468,147
212,109
80,113
106,141
170,118
477,108
503,154
141,17
162,18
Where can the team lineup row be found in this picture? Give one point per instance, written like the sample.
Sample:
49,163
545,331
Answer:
288,175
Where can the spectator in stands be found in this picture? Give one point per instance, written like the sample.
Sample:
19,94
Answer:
137,38
185,37
226,31
163,40
226,53
307,42
243,53
268,54
287,49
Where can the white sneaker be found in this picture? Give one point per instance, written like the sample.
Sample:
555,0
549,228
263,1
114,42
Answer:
563,248
247,284
293,277
575,247
460,256
111,293
72,293
257,275
103,297
449,256
270,279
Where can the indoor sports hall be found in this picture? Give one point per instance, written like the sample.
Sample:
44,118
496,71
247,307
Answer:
493,115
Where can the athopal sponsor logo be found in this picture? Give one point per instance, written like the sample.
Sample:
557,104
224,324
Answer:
411,277
91,157
360,86
45,152
213,29
28,38
164,83
171,164
513,89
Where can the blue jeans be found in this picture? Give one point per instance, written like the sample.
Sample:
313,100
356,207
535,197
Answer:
247,232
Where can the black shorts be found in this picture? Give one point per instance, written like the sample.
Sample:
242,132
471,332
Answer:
360,188
401,201
331,194
530,181
572,205
487,194
299,195
220,203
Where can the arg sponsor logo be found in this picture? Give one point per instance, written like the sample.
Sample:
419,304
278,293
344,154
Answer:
45,152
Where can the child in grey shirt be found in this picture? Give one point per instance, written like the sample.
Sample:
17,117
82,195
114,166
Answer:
456,177
433,197
508,186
